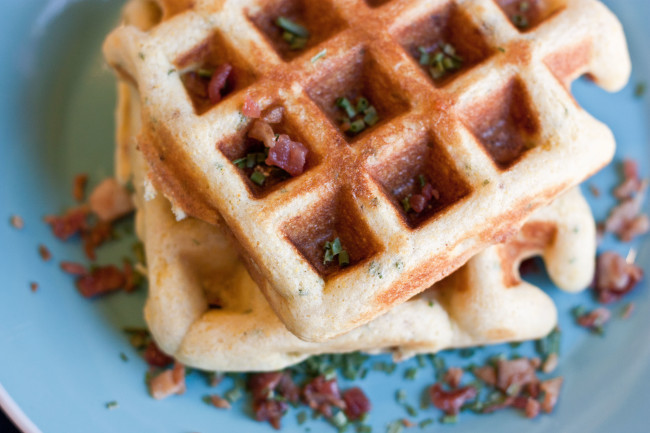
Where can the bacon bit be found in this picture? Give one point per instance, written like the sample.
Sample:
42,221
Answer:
595,191
551,389
79,187
100,281
487,374
44,253
33,286
289,155
535,362
321,395
632,183
407,423
638,226
263,384
168,382
513,375
270,410
627,311
274,115
251,108
453,376
615,277
418,202
218,82
68,225
215,379
595,319
195,85
110,200
95,236
356,403
530,406
507,402
156,357
626,220
73,268
263,132
17,222
551,363
219,402
451,401
429,192
288,389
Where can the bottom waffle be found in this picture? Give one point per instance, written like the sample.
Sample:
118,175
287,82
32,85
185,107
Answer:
205,310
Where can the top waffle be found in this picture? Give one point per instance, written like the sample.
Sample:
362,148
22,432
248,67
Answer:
496,134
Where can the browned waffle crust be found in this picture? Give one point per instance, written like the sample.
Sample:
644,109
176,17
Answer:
512,90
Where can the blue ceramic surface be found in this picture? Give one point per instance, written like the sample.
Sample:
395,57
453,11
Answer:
60,354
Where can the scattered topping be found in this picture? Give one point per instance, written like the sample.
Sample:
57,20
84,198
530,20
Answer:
168,382
100,281
112,405
551,389
627,310
513,375
595,191
294,34
441,59
288,155
333,249
615,277
453,377
95,236
17,222
68,225
356,403
451,401
217,401
550,364
45,254
520,19
110,200
207,85
357,116
320,55
79,187
33,287
271,391
487,374
640,90
251,108
322,395
218,82
156,357
72,268
593,320
626,219
418,202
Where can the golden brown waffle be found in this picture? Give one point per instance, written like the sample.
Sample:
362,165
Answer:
205,310
498,139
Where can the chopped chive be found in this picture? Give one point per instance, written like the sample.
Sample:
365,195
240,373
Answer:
258,178
432,304
344,258
364,429
578,311
515,344
524,6
336,246
501,49
362,104
520,21
406,203
339,419
240,162
422,180
298,43
425,56
345,104
357,126
400,396
395,427
292,27
640,90
410,373
411,410
301,417
420,360
449,419
466,352
425,422
123,357
251,160
233,395
328,256
321,54
371,117
112,405
205,73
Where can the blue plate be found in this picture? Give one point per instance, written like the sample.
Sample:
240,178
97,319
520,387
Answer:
60,354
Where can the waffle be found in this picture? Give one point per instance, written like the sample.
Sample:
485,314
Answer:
498,137
205,310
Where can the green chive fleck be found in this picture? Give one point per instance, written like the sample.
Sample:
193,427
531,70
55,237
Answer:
112,405
406,203
321,54
301,417
395,427
258,178
357,126
410,373
640,90
400,396
449,419
422,180
345,104
426,422
292,27
123,357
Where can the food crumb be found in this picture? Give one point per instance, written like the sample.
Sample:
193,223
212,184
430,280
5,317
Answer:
595,191
44,252
17,222
79,187
33,286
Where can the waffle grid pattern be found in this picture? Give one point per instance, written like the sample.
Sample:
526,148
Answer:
425,127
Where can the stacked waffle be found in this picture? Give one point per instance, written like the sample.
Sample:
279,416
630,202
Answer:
316,177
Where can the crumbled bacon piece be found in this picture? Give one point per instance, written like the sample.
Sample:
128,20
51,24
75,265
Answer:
17,222
33,287
251,108
506,402
451,401
110,200
99,281
594,319
73,268
168,382
288,389
130,277
44,252
269,410
615,277
429,192
95,236
356,403
513,375
626,219
195,85
551,389
321,394
263,132
595,191
219,402
487,374
218,82
637,226
632,183
69,224
418,202
406,423
289,155
79,187
274,115
529,405
156,357
263,384
453,376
